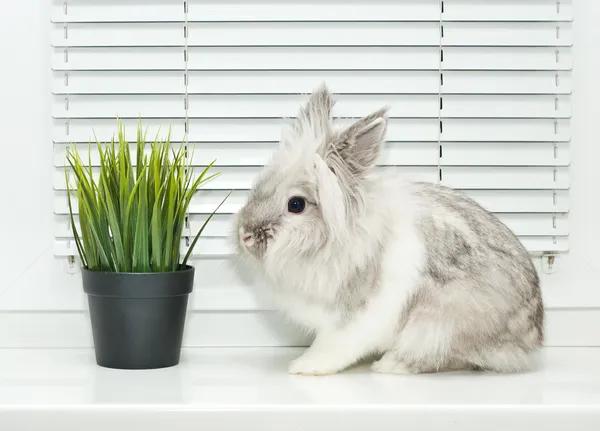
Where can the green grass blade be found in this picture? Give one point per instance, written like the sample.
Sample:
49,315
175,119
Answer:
140,247
80,248
130,219
113,222
157,235
169,220
193,244
88,205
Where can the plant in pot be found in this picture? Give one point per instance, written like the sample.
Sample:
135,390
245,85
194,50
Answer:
131,221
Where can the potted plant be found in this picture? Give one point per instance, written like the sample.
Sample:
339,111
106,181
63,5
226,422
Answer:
131,221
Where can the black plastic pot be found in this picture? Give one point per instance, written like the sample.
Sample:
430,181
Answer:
138,319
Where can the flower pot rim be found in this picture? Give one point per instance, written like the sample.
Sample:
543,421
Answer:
138,285
187,268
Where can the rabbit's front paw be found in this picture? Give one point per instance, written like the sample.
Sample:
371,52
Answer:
315,364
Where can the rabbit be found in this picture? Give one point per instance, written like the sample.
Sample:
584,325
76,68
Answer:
414,275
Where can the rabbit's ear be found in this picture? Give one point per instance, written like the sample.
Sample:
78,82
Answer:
313,120
359,146
317,110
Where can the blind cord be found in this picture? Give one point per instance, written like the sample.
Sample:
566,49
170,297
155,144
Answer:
440,83
186,105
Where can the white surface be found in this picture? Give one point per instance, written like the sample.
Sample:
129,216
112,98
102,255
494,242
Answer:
249,389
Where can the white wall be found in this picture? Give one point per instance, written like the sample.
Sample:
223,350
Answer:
34,288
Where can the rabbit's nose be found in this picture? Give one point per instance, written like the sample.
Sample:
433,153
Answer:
247,239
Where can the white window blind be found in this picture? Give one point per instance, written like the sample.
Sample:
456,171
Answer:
479,90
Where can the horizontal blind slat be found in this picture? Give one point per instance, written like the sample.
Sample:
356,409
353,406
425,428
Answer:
82,130
512,201
157,58
313,10
393,153
509,82
497,201
505,154
226,130
507,34
258,154
509,130
460,177
315,34
507,58
113,11
312,58
255,106
507,10
545,244
331,10
269,130
530,106
205,106
290,82
115,35
129,106
506,177
242,177
247,34
124,82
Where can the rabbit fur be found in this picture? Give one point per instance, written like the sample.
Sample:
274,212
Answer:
414,274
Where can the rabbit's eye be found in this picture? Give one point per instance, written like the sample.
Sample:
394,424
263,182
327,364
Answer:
296,205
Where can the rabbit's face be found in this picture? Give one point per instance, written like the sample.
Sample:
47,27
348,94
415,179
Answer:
306,198
282,213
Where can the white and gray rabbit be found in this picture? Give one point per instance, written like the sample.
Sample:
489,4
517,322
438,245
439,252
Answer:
416,274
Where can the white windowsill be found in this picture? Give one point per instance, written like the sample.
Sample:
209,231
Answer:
249,389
